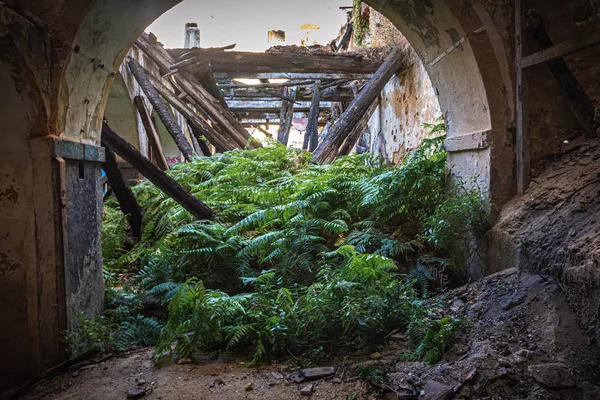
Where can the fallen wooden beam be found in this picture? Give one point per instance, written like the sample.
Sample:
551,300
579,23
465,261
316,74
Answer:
359,130
127,201
199,94
328,150
152,134
163,181
560,50
244,62
161,109
215,138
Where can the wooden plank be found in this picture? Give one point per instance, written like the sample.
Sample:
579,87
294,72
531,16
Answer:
144,80
560,50
522,143
359,130
221,142
163,181
198,93
242,62
264,85
152,134
289,75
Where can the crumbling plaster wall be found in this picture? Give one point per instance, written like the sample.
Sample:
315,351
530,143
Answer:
407,102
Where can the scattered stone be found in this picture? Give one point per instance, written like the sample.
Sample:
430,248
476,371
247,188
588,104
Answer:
184,361
271,384
317,373
136,393
376,356
307,390
277,375
553,375
249,387
75,374
336,381
457,305
513,302
471,374
398,337
434,390
141,382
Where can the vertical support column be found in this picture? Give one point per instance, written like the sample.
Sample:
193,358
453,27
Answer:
522,136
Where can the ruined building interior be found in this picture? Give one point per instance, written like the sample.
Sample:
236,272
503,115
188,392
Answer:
101,118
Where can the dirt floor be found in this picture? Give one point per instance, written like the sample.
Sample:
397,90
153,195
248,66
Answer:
523,343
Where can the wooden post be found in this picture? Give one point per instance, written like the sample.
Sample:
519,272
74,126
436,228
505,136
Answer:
286,116
328,150
152,134
163,181
312,129
122,191
161,109
523,163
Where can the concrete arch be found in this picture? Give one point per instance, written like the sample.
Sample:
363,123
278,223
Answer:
458,44
81,45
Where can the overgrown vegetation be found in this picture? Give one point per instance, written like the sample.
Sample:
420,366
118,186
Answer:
301,259
360,24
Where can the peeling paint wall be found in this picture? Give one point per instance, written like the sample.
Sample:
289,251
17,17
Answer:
406,104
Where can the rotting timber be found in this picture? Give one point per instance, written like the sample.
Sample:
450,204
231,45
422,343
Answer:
219,111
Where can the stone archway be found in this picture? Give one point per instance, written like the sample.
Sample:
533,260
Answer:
81,45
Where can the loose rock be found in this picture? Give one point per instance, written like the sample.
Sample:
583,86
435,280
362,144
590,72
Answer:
136,393
553,375
277,375
307,390
249,387
317,373
436,391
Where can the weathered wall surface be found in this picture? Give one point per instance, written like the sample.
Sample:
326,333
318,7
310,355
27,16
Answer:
407,102
17,223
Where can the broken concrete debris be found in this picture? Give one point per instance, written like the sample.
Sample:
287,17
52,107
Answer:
317,373
136,393
307,390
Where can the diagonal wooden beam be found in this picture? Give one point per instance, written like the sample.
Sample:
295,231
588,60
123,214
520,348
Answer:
163,181
152,134
560,50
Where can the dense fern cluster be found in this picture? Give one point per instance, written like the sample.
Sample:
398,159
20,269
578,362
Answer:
301,258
